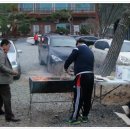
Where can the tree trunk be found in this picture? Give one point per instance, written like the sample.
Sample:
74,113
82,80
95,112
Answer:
113,53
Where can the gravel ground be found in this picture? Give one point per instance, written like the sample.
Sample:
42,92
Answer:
54,114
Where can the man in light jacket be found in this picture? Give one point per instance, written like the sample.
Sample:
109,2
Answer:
6,78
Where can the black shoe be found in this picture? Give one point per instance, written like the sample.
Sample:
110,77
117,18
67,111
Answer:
73,122
84,119
2,112
128,115
12,119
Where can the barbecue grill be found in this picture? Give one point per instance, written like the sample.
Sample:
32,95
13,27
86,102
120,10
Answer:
40,84
50,85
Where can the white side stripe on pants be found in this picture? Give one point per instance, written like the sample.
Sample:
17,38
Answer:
76,103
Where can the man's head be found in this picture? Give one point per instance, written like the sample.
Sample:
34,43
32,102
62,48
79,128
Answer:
5,44
80,41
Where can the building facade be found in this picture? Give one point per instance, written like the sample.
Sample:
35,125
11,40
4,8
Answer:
82,14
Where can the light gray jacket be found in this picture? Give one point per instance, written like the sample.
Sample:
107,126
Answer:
6,72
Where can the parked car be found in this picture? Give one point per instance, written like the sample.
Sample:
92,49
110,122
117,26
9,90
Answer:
13,56
75,36
54,50
101,48
88,40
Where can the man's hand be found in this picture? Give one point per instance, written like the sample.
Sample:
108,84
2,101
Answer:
66,71
15,73
69,72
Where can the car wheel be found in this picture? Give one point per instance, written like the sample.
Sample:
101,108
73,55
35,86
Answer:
50,66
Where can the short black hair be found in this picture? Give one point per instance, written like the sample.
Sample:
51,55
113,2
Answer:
80,40
4,42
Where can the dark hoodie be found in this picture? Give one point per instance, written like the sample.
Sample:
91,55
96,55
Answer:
83,59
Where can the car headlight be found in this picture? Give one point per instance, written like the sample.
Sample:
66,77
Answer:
124,60
55,58
13,63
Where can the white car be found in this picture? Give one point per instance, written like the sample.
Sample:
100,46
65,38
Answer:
13,55
101,48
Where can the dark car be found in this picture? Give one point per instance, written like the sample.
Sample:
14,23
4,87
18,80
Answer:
54,50
88,40
75,36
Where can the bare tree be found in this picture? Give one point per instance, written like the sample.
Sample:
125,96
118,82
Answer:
108,14
119,36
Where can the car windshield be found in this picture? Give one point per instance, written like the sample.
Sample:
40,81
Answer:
91,38
63,41
101,45
11,49
125,47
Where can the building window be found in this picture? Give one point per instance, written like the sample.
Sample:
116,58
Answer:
60,6
44,7
26,7
35,29
47,28
57,6
76,29
84,7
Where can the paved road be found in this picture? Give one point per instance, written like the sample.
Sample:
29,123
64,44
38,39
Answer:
29,59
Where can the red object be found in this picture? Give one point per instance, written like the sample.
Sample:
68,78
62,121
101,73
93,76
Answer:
78,82
35,37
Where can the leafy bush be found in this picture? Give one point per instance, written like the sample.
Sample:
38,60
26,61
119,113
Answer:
62,30
84,29
24,28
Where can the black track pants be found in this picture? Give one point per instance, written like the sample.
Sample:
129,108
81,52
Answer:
82,94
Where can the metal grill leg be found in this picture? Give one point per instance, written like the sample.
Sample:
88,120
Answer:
30,105
94,94
100,94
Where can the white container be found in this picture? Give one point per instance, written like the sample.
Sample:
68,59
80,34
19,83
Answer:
123,72
119,71
126,73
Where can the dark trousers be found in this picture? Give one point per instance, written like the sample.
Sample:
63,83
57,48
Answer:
82,94
5,98
36,42
128,104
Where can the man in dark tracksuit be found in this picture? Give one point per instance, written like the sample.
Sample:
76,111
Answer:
83,59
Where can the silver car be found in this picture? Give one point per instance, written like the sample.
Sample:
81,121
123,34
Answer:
13,55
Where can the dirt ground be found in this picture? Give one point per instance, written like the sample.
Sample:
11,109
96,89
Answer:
54,114
120,95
